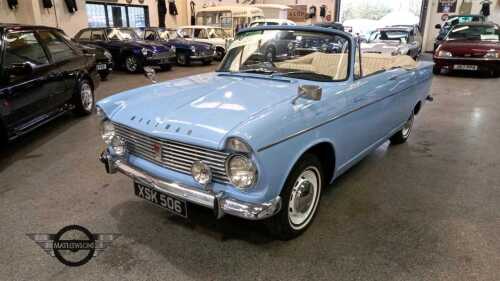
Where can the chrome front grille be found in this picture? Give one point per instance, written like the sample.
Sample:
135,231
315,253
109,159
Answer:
173,155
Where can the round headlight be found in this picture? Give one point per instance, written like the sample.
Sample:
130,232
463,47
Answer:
144,51
172,49
107,131
201,173
118,145
241,171
193,49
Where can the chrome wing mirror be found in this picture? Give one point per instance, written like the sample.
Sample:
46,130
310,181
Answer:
150,73
308,92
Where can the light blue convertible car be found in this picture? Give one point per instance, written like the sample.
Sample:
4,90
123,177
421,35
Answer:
261,138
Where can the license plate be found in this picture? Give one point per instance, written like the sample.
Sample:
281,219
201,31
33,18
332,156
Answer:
102,67
465,67
172,204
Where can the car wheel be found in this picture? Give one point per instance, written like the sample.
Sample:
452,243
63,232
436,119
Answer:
402,135
436,70
165,67
84,98
132,64
300,198
182,59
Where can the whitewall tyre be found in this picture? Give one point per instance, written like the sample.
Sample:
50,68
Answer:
402,135
300,199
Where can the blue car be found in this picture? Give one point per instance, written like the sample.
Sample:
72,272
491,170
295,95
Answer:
186,51
259,139
127,49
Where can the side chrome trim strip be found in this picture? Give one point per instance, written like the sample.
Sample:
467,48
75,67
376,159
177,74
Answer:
331,119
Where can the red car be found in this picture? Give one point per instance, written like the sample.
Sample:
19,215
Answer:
470,47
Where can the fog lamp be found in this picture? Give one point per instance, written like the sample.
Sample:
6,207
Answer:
201,173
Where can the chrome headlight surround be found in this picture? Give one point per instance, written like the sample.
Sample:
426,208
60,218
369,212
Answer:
240,167
173,49
107,130
193,49
445,54
106,127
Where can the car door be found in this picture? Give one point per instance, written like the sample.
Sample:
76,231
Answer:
24,89
373,105
67,62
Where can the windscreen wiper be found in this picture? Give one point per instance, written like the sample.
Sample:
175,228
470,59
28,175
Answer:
308,74
259,70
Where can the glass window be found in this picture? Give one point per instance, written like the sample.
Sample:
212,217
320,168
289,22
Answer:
117,16
96,15
98,34
185,32
200,33
122,34
136,17
289,53
23,47
85,35
59,50
150,35
475,32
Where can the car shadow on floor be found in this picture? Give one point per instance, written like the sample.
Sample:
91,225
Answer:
22,147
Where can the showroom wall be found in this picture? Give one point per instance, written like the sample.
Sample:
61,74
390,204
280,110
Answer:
433,18
32,12
317,3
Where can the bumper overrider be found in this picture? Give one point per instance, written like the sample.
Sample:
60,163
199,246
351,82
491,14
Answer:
219,202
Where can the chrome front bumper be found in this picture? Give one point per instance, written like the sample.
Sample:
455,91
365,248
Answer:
218,202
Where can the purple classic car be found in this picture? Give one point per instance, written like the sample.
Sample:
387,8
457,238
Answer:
127,49
261,139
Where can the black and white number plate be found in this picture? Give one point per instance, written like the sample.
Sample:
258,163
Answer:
172,204
101,67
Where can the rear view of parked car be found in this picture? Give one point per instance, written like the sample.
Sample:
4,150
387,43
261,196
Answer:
42,76
399,40
127,49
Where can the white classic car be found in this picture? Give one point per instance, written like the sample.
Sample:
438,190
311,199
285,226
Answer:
208,34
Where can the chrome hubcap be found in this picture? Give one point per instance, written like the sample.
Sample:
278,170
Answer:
86,96
407,127
303,198
131,64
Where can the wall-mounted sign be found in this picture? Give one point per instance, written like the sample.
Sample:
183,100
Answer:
297,13
447,6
